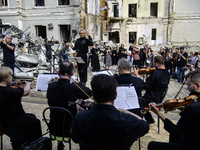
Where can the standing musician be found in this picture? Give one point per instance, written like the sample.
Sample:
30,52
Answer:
185,135
81,47
8,52
105,127
21,127
155,85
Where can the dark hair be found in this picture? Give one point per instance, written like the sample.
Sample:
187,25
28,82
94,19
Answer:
181,48
64,41
159,59
104,88
194,76
45,40
66,67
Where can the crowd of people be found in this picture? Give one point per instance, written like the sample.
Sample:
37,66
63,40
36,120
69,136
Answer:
104,126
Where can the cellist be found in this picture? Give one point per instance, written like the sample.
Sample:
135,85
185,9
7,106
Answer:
185,135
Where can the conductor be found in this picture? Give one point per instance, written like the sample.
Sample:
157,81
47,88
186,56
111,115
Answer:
81,47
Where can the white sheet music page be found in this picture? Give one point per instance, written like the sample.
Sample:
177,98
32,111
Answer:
43,80
126,98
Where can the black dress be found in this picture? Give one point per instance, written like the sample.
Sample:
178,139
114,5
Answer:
114,57
95,59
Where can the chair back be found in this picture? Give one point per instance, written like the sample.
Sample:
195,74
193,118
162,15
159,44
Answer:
59,123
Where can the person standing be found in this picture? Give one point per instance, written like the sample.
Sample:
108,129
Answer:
64,51
95,58
114,56
8,52
136,56
81,47
108,58
181,63
104,127
48,48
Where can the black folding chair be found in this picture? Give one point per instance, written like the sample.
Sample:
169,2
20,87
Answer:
59,123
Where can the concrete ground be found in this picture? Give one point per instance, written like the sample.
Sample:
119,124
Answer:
36,102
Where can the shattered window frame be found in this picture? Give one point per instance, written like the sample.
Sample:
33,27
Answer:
3,3
116,10
154,9
63,2
132,37
153,34
132,10
39,3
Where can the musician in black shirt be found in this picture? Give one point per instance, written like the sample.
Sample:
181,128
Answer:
185,135
21,127
81,47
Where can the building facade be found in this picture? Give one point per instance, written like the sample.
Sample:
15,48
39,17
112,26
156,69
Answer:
46,18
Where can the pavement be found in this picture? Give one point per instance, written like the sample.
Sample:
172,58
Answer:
36,102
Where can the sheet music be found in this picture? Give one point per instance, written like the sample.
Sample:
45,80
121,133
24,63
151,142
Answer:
103,72
77,59
43,79
126,98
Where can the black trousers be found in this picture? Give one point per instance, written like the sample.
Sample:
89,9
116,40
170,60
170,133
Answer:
165,146
82,68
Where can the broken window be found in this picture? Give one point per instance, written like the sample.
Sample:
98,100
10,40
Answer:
39,2
114,36
41,31
153,33
154,9
63,2
132,37
3,3
116,10
132,10
65,33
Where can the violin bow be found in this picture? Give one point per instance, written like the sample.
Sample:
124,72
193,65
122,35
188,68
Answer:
66,75
180,89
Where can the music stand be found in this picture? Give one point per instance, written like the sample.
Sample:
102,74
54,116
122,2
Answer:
77,60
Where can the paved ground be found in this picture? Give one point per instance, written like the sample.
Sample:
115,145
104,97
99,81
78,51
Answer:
36,102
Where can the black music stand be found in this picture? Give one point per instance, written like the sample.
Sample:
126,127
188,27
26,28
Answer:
77,60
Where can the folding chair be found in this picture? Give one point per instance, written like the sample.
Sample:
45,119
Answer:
59,124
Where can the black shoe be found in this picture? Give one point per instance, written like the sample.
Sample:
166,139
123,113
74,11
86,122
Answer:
148,117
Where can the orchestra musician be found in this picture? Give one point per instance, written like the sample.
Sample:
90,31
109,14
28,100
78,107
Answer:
125,76
62,92
155,85
81,47
105,127
185,135
21,127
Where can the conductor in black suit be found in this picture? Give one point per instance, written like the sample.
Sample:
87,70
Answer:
81,47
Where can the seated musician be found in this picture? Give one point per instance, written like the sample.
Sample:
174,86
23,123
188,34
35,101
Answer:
21,127
155,85
185,135
105,127
125,77
63,92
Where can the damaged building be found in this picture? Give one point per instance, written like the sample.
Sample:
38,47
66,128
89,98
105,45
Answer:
154,22
57,18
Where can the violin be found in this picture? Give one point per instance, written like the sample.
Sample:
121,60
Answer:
173,104
87,105
146,70
17,83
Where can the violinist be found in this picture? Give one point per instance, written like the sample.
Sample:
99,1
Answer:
104,127
185,135
155,85
21,127
62,92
